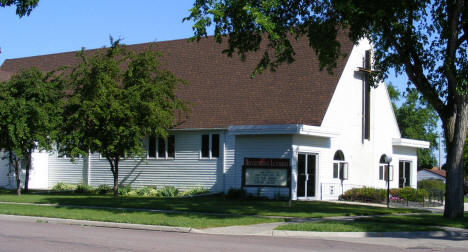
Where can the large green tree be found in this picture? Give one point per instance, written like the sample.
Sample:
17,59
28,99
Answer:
118,97
425,39
30,114
23,7
416,120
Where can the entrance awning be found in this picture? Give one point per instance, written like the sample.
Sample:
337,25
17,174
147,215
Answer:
282,129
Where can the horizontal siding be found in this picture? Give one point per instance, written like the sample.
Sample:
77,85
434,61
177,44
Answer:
422,175
261,146
184,172
64,170
6,181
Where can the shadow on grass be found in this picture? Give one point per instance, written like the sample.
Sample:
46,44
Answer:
206,204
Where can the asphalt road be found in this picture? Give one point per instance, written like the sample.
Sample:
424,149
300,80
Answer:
29,236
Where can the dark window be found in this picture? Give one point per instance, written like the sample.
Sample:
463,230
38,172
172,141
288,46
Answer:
161,148
205,146
335,170
152,147
215,145
171,146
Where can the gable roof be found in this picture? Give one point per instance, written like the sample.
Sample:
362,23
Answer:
220,91
436,171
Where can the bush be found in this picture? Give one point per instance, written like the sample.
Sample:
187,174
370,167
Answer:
365,194
147,191
168,191
235,193
63,187
84,188
104,189
124,190
432,185
195,191
411,194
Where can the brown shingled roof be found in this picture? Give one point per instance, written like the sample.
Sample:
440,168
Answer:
220,91
437,171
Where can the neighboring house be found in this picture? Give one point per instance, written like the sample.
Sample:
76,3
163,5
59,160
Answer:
434,173
294,132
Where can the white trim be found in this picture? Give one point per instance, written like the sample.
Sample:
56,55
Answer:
410,143
285,129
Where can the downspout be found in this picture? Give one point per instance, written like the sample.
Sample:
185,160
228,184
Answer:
88,177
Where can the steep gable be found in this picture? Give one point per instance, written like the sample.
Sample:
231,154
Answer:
220,91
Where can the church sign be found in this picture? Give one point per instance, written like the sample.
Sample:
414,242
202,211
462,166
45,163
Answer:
266,172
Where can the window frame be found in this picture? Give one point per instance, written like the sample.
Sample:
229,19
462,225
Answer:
157,144
210,146
341,166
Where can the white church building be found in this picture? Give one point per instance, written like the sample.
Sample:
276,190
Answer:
298,132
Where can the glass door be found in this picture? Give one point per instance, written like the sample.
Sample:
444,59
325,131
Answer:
306,175
404,174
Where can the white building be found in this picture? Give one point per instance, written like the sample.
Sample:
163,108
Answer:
295,132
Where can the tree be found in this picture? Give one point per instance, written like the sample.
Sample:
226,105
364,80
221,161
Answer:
416,120
118,97
23,7
465,156
426,40
30,113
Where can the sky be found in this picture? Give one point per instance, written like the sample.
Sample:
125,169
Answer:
56,26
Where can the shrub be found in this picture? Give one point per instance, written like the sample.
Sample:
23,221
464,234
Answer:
124,189
235,193
365,194
103,189
147,191
84,188
411,194
195,191
432,185
168,191
63,187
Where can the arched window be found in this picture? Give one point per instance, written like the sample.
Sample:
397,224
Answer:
383,169
340,167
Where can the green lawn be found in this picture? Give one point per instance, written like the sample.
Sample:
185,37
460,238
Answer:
211,204
466,199
353,226
136,217
381,224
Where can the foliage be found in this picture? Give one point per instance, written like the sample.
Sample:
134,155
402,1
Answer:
416,120
63,187
426,40
147,191
118,98
104,189
465,156
125,189
23,7
432,185
411,194
168,191
195,191
365,194
30,115
84,189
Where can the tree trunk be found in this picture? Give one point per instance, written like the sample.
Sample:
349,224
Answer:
17,175
115,172
28,168
455,134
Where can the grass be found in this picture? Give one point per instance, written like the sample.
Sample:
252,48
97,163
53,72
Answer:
466,199
135,217
353,226
208,204
424,222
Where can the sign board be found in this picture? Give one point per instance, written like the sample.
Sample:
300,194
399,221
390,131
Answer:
266,172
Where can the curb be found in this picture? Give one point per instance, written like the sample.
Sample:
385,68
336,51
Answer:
420,234
95,223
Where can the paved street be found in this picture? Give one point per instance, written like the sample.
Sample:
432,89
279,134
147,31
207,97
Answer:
29,236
